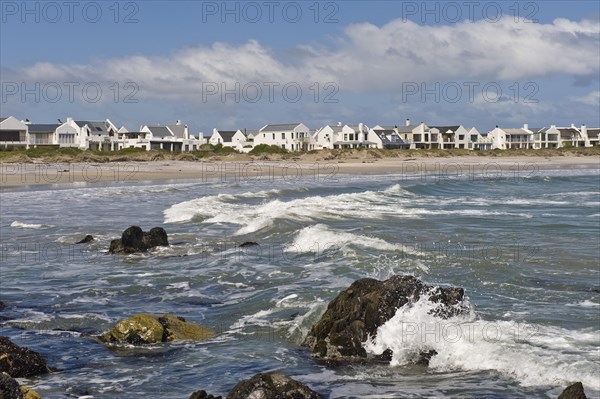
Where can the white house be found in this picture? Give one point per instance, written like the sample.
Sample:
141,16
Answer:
13,133
292,137
479,141
445,137
593,136
386,137
326,136
98,135
64,134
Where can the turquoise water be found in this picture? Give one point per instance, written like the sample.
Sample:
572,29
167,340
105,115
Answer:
526,248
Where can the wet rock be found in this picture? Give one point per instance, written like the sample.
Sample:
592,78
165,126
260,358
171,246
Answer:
9,387
357,312
143,329
2,305
574,391
86,239
134,239
272,386
20,362
203,395
249,244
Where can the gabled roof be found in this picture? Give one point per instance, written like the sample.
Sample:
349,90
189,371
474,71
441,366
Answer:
406,129
160,131
537,129
515,130
336,128
3,119
43,128
445,129
279,128
227,135
96,127
178,130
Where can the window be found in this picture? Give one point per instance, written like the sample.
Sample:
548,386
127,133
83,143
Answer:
273,136
282,136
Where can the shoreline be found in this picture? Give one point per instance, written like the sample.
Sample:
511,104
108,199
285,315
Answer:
21,175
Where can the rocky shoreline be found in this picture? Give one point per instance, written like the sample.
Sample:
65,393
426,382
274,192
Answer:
338,337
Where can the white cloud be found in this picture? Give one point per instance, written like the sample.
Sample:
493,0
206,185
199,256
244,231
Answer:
592,99
367,58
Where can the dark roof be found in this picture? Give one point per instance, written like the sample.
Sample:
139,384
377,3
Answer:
160,131
537,129
227,135
406,129
3,119
178,130
568,133
43,128
278,128
444,129
593,133
96,127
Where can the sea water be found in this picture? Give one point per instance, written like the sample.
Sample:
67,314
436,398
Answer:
526,248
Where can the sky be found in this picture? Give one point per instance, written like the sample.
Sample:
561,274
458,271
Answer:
241,65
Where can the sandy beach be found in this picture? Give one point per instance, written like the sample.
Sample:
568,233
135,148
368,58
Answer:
314,168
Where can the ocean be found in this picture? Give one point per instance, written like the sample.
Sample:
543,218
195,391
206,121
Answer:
525,247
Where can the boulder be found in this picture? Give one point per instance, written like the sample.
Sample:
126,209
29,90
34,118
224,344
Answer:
357,312
134,239
143,329
249,244
203,395
574,391
272,386
9,387
20,362
86,239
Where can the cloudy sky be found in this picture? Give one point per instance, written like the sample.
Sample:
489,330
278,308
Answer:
244,64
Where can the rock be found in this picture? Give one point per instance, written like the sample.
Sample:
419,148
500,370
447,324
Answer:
143,329
249,244
9,387
272,386
357,312
574,391
29,393
203,395
20,362
134,239
86,239
2,305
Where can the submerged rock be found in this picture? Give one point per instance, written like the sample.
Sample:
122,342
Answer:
86,239
134,239
143,329
574,391
203,395
357,312
249,244
20,362
272,386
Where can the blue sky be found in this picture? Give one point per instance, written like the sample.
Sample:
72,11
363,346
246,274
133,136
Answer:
244,64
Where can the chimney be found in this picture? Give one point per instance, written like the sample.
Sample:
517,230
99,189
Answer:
407,122
178,122
69,120
339,124
526,126
573,126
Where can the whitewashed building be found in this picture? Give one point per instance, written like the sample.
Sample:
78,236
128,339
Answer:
291,137
13,133
98,135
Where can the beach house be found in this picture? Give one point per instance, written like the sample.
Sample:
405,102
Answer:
291,136
446,137
98,135
13,133
387,137
62,134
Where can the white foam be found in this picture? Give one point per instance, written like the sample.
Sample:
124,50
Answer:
585,304
22,225
531,354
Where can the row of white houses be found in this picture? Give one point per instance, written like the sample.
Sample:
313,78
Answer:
105,136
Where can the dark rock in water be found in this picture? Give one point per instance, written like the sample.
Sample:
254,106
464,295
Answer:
20,362
367,304
143,329
2,305
249,244
134,239
9,387
574,391
203,395
86,239
272,386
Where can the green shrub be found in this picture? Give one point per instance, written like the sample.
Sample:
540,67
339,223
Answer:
267,149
